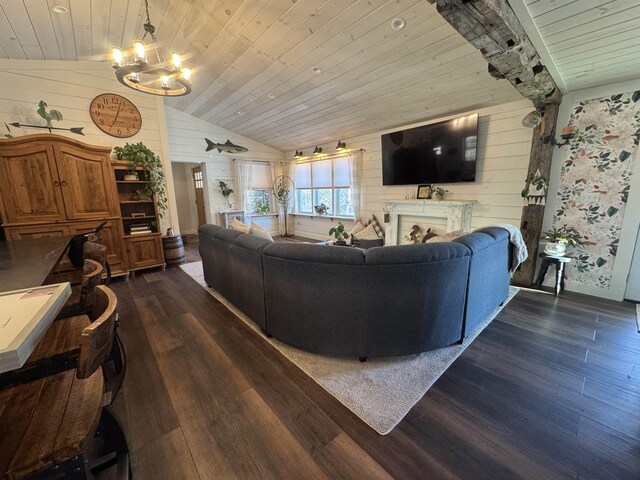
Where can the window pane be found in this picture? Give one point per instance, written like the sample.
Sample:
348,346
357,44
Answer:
344,205
303,201
260,201
323,195
341,172
321,173
302,175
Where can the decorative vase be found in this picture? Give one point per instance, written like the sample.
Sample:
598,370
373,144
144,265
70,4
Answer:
557,249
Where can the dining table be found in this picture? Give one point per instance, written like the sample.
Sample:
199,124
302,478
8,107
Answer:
29,262
27,307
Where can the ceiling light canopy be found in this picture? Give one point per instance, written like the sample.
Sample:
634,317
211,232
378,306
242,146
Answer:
398,23
162,77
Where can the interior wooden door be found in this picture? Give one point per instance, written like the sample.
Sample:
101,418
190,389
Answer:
198,183
29,184
87,186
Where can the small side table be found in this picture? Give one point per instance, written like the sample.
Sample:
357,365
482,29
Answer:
227,216
559,263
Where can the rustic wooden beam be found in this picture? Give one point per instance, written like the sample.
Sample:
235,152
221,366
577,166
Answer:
493,28
532,215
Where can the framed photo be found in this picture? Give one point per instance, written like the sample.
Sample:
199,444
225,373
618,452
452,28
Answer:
424,192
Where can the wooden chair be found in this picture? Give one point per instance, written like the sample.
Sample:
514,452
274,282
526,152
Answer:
47,425
98,253
81,299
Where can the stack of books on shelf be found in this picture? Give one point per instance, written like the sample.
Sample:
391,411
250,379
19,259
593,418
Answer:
140,229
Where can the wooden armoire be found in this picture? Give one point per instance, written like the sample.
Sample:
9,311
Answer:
52,185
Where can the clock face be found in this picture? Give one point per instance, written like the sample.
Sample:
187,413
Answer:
115,115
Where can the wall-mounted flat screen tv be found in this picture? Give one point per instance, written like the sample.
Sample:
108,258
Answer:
443,152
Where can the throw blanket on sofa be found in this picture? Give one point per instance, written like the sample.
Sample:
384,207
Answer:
520,252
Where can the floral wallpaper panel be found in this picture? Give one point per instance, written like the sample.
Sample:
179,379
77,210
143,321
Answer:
599,160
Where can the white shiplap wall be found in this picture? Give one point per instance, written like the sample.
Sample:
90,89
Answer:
69,87
186,144
503,158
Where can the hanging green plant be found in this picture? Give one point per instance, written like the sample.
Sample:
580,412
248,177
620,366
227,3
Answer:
139,155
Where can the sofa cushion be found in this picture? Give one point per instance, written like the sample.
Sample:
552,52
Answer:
227,234
358,227
376,226
252,242
445,237
258,231
313,253
368,233
239,226
404,254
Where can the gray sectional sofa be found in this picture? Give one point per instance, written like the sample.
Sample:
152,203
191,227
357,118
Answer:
395,300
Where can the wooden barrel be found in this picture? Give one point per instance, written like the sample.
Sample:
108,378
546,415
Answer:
173,250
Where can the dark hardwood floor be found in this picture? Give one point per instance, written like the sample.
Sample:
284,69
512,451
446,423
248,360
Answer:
550,389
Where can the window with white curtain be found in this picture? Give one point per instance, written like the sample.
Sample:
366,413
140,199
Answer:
261,189
325,181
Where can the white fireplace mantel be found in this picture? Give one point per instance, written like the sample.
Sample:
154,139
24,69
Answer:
457,213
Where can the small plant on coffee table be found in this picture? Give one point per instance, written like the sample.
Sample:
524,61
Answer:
339,234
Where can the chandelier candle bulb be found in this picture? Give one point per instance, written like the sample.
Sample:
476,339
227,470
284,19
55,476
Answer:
176,60
164,81
186,74
139,52
117,56
134,78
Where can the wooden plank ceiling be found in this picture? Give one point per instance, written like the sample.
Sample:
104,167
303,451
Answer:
590,42
254,60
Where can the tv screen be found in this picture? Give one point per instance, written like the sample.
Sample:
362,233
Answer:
443,152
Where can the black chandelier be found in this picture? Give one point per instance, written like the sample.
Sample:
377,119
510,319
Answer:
164,78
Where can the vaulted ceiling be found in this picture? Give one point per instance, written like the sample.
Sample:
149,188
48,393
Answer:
585,43
254,60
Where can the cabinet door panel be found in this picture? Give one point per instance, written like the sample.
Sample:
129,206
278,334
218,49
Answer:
87,186
29,184
111,236
37,231
144,251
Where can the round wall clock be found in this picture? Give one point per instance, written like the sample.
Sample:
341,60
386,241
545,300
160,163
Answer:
115,115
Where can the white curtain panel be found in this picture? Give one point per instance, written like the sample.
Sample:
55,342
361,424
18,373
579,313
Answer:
243,174
355,164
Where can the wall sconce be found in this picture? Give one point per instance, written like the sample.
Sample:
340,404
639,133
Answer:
341,146
298,154
568,133
317,150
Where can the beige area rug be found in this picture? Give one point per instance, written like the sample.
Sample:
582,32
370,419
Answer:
380,391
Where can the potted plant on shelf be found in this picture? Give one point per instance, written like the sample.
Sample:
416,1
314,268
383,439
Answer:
339,234
439,192
321,209
138,155
261,209
558,239
226,191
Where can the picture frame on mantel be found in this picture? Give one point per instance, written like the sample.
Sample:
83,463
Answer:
424,192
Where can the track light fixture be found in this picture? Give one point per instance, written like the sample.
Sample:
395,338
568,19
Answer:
298,154
317,150
341,146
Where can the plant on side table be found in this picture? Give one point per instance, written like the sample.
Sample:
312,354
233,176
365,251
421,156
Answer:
139,155
226,191
558,239
339,234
